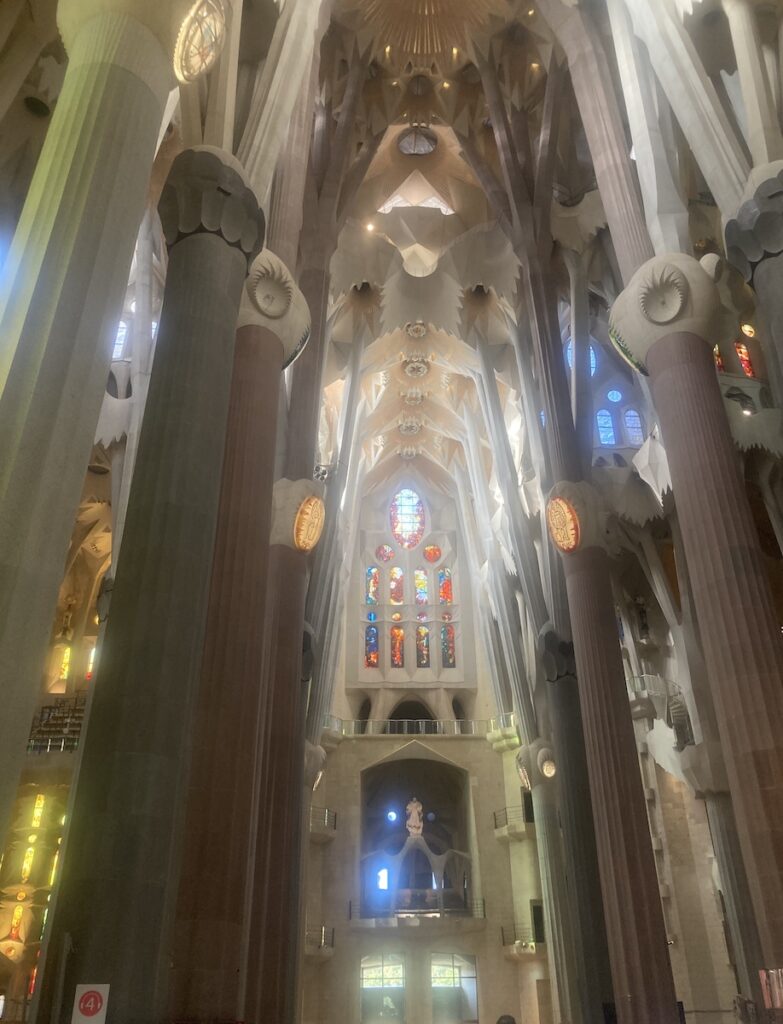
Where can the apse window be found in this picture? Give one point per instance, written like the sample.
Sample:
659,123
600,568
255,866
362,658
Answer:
634,430
406,517
570,358
454,991
383,988
605,426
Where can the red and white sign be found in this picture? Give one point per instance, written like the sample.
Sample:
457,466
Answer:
89,1004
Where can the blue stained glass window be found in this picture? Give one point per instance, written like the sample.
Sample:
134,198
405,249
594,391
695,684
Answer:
119,340
633,427
614,395
370,646
570,358
407,518
372,616
605,424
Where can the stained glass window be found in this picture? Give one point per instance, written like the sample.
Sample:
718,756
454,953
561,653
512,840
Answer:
420,585
397,637
445,590
407,518
384,553
371,646
38,809
383,972
570,358
432,553
448,646
119,340
422,647
605,424
396,581
633,427
27,863
614,395
718,359
65,663
373,583
744,357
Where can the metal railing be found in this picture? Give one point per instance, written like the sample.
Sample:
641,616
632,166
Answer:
513,933
510,816
428,908
57,727
319,938
322,817
676,714
415,727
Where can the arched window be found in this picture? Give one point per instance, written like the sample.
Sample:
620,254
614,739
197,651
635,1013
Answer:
371,646
634,431
448,646
605,424
422,646
396,582
420,585
397,637
445,589
570,358
373,584
119,340
406,516
744,357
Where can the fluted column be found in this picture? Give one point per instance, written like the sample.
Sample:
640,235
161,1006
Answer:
666,323
122,863
641,973
61,292
274,933
213,911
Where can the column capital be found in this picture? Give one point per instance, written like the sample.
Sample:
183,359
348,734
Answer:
670,294
207,192
576,517
314,765
536,763
272,299
297,514
757,230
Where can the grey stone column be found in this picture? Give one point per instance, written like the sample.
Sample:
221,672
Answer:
60,294
666,322
122,862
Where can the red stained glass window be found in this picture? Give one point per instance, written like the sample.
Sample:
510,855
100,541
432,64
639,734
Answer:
432,553
718,359
396,585
397,636
445,589
371,646
406,516
384,553
422,647
744,357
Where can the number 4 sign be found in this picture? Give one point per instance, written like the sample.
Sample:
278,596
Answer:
89,1004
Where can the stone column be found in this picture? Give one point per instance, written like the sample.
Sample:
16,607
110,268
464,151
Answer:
754,245
641,973
274,918
122,863
666,323
61,292
761,117
576,817
210,942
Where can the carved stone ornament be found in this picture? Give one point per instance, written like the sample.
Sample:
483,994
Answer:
413,396
417,330
756,233
272,299
416,365
576,517
291,501
408,452
206,192
409,425
667,295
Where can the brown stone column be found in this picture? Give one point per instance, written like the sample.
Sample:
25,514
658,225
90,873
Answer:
641,972
743,648
210,942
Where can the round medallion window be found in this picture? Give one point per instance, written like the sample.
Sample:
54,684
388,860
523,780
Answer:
200,40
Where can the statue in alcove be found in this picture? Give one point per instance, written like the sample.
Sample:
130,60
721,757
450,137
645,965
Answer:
414,821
